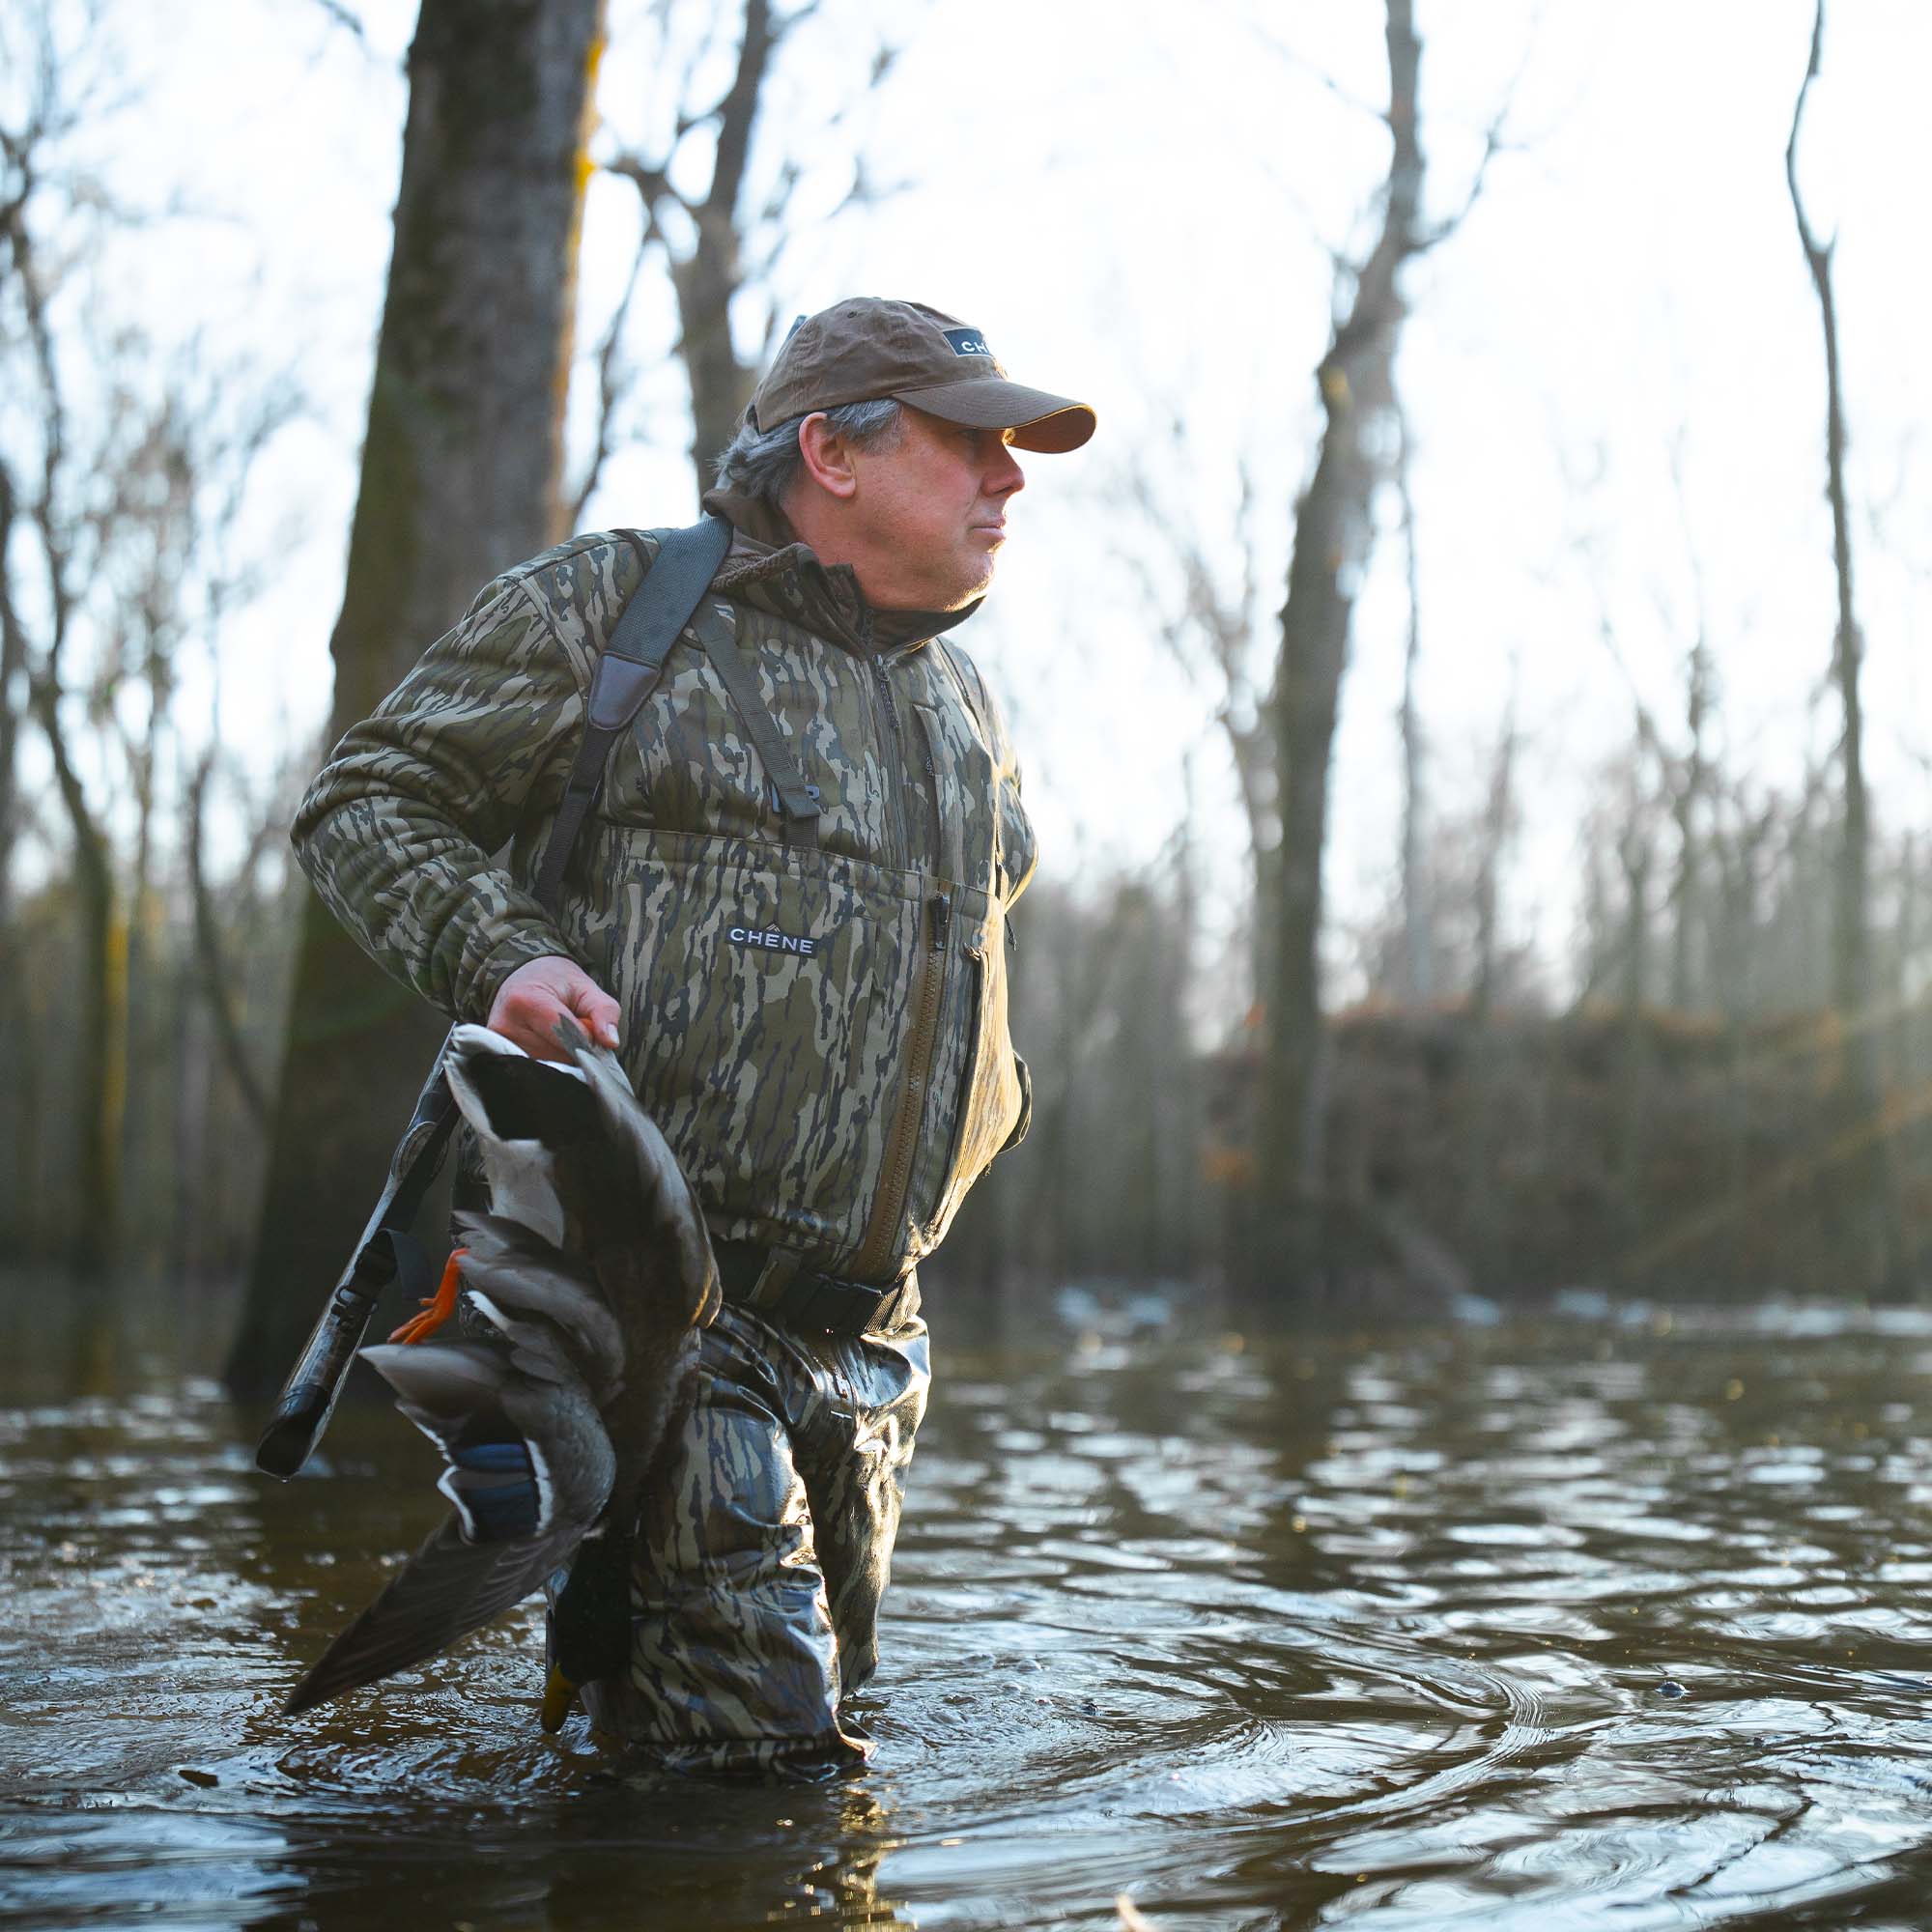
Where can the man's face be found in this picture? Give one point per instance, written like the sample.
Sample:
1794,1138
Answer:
931,510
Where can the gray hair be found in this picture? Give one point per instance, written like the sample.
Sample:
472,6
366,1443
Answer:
764,464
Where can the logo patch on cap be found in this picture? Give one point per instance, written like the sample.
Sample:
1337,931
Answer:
967,342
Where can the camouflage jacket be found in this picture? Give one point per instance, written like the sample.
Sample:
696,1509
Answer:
821,1034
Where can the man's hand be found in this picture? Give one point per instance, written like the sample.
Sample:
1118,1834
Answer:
530,1001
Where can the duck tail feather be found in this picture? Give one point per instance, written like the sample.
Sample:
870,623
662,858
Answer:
449,1379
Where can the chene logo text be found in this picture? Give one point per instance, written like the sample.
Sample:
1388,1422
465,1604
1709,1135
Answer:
769,939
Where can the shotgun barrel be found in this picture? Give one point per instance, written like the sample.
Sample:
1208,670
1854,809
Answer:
387,1250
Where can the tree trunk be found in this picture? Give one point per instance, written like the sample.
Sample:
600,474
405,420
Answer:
1636,858
100,1017
1498,822
217,985
13,674
18,1211
1417,907
721,386
461,477
1687,811
1868,1177
1333,535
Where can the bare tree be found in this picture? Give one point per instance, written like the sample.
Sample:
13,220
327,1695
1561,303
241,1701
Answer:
1691,792
13,687
1499,828
1333,533
1414,889
214,971
1686,770
721,242
461,474
1213,632
1853,983
118,526
55,529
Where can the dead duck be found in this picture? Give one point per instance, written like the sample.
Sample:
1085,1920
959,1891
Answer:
581,1292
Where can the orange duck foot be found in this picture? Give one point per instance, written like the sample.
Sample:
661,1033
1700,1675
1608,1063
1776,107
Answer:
440,1306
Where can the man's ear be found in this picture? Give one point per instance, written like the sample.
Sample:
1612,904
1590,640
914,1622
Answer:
828,458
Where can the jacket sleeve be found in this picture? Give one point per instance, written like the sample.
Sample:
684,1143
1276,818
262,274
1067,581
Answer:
397,832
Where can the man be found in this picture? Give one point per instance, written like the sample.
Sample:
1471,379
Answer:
789,914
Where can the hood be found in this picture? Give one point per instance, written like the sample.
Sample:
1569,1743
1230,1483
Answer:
768,568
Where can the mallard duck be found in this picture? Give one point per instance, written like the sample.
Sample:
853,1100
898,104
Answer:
582,1294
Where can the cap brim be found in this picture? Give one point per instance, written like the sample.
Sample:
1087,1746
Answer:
1047,423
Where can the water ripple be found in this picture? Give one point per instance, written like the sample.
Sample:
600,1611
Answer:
1587,1624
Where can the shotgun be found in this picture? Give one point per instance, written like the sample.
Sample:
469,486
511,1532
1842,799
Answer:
387,1250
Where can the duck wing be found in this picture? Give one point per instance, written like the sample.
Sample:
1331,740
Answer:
573,1156
530,1468
664,1233
577,1164
447,1589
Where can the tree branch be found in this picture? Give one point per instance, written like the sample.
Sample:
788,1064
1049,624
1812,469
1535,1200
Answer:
1493,144
613,384
738,112
347,18
652,185
215,982
1300,64
12,669
1817,256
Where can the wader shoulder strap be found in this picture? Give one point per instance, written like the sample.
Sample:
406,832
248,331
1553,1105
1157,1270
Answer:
797,800
687,561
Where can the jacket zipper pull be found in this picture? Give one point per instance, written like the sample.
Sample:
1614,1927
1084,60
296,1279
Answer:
942,917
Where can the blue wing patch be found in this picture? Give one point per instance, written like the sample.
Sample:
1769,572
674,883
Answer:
494,1488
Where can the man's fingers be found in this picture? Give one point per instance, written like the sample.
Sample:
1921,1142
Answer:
539,993
531,1020
600,1018
595,1010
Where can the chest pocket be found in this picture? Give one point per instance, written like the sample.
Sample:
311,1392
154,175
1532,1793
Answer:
964,836
689,764
686,764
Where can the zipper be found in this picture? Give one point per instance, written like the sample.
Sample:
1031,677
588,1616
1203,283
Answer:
880,1247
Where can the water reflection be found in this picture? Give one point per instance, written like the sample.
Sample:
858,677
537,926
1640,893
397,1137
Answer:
1586,1622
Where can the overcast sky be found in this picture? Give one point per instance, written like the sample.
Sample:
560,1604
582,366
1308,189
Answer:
1136,203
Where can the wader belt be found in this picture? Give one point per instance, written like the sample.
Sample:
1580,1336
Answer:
774,1284
796,800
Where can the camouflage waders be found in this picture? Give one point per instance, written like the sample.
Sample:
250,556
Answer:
762,1552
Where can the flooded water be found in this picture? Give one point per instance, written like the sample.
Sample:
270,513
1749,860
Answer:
1594,1621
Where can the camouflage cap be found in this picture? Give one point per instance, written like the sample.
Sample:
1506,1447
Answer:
865,347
